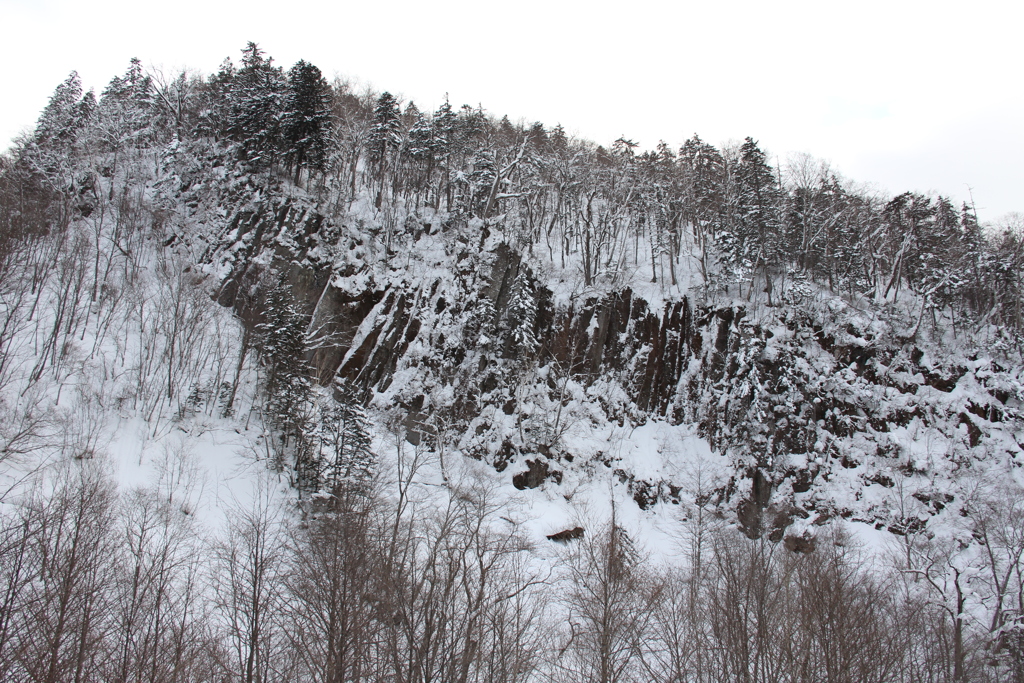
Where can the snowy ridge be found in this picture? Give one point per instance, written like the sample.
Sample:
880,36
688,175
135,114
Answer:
509,406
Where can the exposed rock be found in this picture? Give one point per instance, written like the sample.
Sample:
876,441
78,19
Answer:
537,473
790,404
804,543
567,535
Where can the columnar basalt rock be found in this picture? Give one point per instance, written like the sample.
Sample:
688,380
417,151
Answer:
793,401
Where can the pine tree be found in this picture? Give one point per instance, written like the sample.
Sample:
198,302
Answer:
421,137
938,270
537,137
340,446
755,242
624,147
1005,277
759,201
559,140
702,188
279,338
522,315
703,182
50,150
307,119
972,246
472,122
125,109
411,113
507,133
445,131
386,129
812,231
906,219
419,150
385,136
479,330
443,144
257,94
215,116
62,118
846,256
481,180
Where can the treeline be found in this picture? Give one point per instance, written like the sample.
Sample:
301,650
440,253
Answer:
726,214
743,225
101,585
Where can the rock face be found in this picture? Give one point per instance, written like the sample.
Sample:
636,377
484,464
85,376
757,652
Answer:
537,472
567,535
814,405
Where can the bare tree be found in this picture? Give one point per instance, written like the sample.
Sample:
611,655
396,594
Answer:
997,521
248,572
609,605
747,607
61,626
156,633
334,610
18,537
844,614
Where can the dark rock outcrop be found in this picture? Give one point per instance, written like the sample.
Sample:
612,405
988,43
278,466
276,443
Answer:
790,402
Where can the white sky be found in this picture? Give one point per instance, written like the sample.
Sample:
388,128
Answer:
907,95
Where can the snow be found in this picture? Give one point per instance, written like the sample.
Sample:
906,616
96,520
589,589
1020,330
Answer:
884,445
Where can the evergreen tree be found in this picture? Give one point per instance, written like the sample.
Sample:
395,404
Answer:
624,147
759,202
421,139
938,270
972,246
756,231
538,137
507,133
906,218
411,113
813,229
386,129
257,97
419,151
848,258
307,120
443,144
49,151
215,116
1004,276
472,122
481,323
325,437
385,136
340,452
480,179
63,117
445,131
522,315
559,140
279,338
665,157
125,109
703,186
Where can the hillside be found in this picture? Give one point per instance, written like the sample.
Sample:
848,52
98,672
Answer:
533,408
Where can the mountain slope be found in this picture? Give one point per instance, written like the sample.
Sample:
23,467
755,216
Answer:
409,336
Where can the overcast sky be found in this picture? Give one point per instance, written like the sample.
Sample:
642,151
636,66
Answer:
920,96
